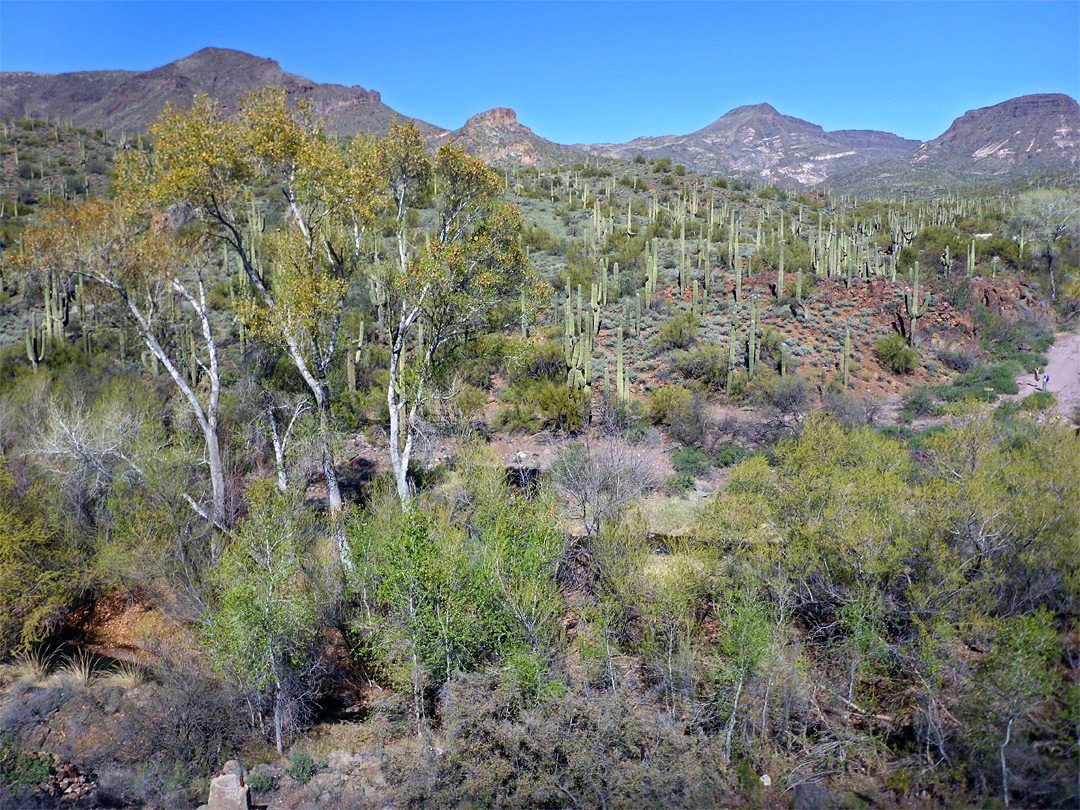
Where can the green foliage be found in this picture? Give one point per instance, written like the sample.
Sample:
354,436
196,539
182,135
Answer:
302,767
679,409
708,363
262,782
440,594
894,354
262,630
727,454
542,404
43,570
23,769
984,383
917,401
691,461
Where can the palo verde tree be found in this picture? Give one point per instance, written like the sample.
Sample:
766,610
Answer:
213,167
141,264
448,285
1049,216
263,628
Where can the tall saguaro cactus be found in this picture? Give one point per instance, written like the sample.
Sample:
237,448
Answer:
915,310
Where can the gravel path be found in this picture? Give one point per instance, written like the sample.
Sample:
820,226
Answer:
1064,369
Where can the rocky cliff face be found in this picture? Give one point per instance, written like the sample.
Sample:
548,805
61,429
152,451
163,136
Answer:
1039,133
131,101
759,140
498,139
1029,135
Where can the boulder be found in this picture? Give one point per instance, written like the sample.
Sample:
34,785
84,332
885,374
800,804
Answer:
811,796
228,792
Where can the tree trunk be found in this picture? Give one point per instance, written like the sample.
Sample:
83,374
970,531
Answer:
279,712
217,483
399,456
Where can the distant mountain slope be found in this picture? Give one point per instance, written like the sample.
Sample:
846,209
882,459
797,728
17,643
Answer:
758,140
129,100
498,139
1038,134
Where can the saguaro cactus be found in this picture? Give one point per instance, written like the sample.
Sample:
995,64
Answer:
915,310
35,343
847,353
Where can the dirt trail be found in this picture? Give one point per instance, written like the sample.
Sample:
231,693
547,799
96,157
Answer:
1063,366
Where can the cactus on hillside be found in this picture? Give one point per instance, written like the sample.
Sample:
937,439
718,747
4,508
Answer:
35,343
914,308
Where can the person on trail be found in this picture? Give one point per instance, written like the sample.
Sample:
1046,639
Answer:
1045,381
1038,377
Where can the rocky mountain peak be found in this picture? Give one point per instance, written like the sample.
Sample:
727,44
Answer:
492,119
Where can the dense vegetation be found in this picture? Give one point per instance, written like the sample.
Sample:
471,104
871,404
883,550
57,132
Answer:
193,365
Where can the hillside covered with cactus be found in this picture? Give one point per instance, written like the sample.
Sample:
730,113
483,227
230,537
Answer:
364,472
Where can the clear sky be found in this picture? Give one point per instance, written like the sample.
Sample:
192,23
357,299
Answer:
599,71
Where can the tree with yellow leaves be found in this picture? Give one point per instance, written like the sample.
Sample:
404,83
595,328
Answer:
141,263
465,277
212,166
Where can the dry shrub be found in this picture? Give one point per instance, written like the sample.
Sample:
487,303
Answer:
607,749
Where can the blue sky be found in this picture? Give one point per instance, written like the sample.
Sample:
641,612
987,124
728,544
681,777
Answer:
595,72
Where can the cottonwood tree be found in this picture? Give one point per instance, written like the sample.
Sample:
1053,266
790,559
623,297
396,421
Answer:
214,168
448,284
141,264
1049,216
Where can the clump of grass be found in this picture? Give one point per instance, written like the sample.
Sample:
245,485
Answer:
125,674
77,670
29,666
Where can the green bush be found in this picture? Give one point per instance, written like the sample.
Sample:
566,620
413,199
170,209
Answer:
709,364
691,461
261,782
665,403
728,454
894,354
919,401
678,331
302,767
23,769
985,383
533,405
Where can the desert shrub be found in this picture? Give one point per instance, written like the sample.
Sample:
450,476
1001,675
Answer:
894,354
662,402
682,411
728,454
690,460
302,767
679,483
603,750
23,769
790,395
918,401
546,361
538,237
678,331
985,383
957,359
709,364
43,570
171,735
847,408
261,782
532,405
601,478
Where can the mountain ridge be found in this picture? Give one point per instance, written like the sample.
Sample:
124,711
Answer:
1032,134
118,100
